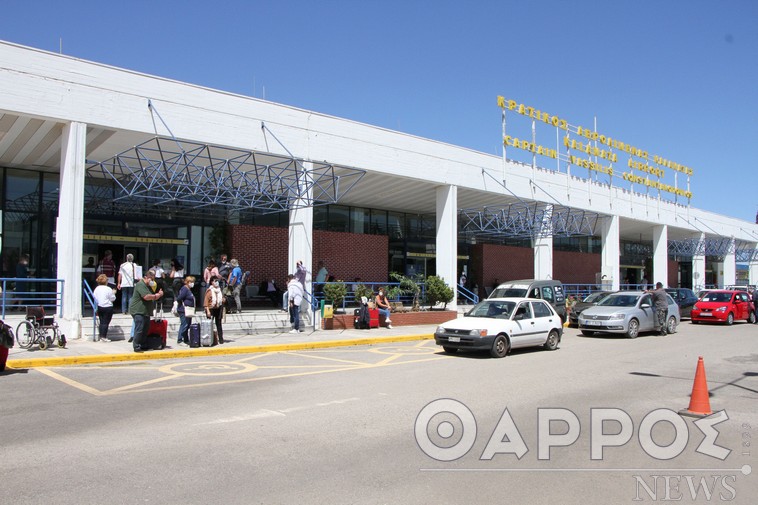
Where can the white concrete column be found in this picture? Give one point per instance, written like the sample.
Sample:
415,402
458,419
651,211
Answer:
610,253
301,241
698,263
447,238
729,267
660,255
69,229
543,247
753,268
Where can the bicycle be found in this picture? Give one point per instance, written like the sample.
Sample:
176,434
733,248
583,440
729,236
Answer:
38,329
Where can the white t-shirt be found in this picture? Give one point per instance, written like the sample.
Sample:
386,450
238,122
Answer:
104,296
126,271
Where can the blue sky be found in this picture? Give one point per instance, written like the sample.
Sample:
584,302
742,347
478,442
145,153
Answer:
678,78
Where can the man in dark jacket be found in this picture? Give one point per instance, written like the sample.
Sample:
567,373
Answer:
661,306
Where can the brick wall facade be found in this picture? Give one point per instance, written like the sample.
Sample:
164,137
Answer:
575,267
264,250
492,264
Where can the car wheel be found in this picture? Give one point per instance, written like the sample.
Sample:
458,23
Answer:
449,350
551,344
500,347
634,328
588,333
729,319
751,319
671,326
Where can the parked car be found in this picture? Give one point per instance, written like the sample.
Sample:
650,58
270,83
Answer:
723,306
498,325
549,290
589,301
627,312
685,298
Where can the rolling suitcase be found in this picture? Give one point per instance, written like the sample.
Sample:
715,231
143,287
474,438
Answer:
194,335
156,335
207,336
3,357
373,318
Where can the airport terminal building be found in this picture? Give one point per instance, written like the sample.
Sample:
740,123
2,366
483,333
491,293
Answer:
94,157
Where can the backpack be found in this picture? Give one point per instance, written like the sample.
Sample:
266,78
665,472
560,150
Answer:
244,278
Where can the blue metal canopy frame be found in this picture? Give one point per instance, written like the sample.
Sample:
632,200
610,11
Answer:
163,171
522,220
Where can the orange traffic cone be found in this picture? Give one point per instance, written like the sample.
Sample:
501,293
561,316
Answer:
700,403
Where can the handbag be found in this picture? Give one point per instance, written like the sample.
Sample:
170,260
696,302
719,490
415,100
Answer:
189,311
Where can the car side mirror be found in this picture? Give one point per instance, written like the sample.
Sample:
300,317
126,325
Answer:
645,306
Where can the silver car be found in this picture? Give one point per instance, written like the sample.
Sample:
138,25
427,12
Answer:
628,312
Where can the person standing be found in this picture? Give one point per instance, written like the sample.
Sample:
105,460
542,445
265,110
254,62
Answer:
295,296
177,276
755,303
214,306
224,269
127,274
235,283
384,306
661,305
210,273
108,267
160,274
185,299
104,297
141,306
322,272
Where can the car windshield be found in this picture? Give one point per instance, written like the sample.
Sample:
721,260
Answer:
620,300
490,308
717,297
509,292
595,297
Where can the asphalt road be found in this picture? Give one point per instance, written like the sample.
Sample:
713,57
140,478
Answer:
338,426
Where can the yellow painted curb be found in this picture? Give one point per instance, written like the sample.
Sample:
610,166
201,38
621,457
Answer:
206,351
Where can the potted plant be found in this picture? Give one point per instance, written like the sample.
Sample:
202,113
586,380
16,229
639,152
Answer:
437,292
335,292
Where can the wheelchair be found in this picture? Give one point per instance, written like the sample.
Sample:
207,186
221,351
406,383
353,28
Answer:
37,328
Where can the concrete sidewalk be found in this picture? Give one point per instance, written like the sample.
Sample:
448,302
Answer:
80,351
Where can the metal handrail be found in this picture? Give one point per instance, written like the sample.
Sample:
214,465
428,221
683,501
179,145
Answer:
468,295
90,297
45,298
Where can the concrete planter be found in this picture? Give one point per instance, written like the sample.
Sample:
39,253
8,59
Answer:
345,321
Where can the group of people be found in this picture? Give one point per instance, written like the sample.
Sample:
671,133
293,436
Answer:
140,290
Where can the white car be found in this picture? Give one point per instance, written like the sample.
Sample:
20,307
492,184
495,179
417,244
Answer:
498,325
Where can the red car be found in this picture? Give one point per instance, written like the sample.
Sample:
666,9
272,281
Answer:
723,306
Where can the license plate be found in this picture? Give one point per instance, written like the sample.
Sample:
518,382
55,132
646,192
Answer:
706,314
454,339
593,323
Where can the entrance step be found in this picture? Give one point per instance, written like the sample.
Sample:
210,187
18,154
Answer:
250,322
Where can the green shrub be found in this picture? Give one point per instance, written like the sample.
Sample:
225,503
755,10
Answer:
437,291
363,290
335,292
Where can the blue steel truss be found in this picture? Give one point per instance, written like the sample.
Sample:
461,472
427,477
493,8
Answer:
163,171
715,246
522,220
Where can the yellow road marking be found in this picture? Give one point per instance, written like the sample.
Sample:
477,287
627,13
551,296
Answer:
169,369
328,359
71,382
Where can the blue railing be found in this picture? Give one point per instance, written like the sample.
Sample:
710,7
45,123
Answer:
467,295
90,297
19,293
